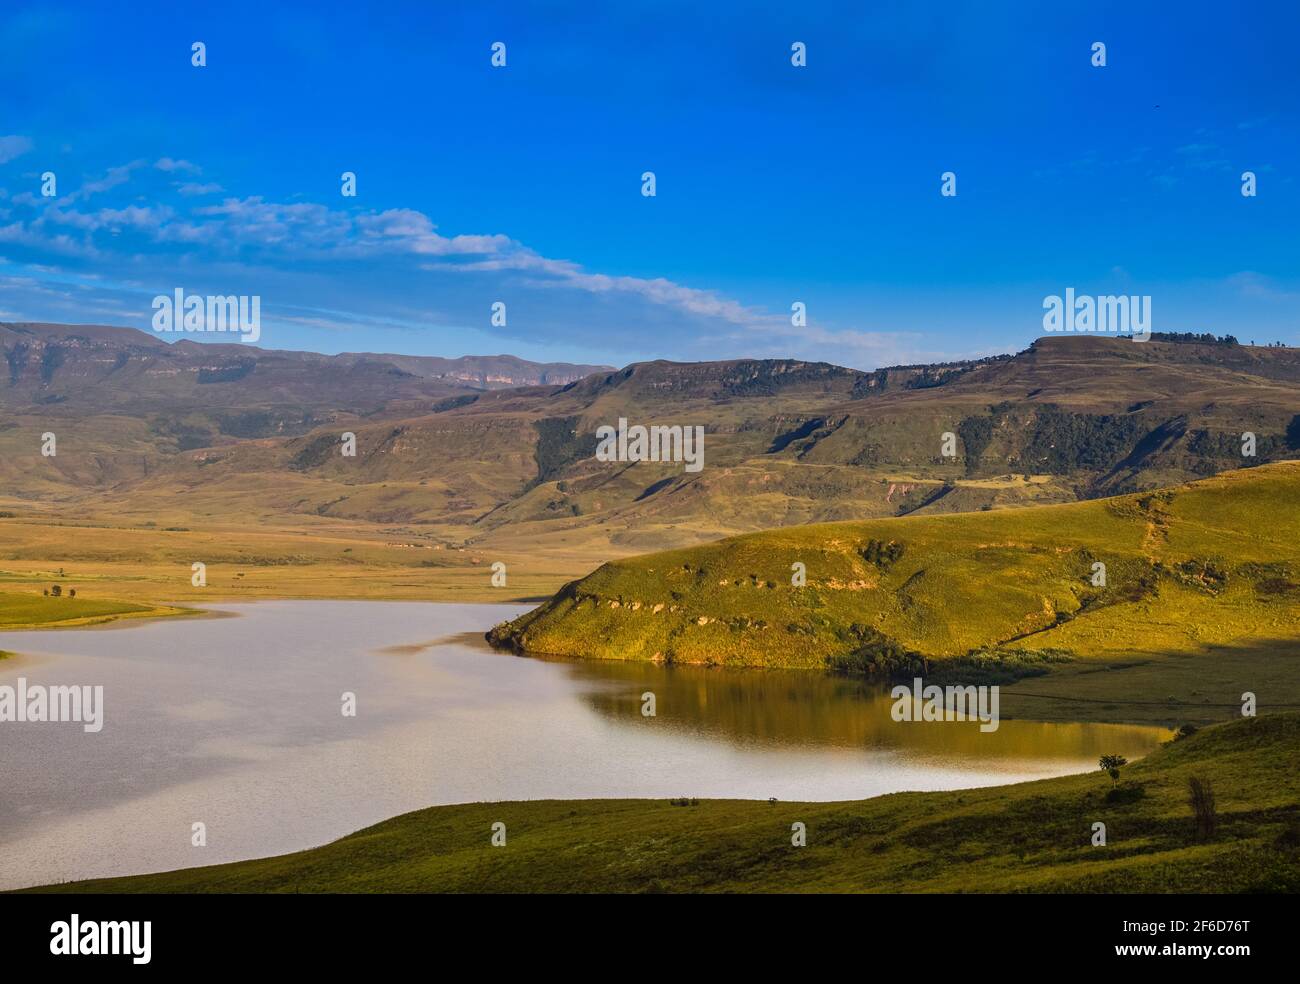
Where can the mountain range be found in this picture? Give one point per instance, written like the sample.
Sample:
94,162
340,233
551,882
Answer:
478,449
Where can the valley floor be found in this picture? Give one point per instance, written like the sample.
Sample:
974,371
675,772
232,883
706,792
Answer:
120,571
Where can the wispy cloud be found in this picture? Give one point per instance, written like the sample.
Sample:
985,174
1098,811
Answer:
170,164
1256,286
112,178
191,188
14,146
336,267
284,233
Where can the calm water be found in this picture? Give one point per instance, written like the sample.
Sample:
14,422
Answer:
236,722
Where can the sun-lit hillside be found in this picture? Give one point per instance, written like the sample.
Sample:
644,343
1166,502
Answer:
1213,562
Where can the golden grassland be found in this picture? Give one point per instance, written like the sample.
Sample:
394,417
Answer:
1029,837
123,571
20,609
1215,563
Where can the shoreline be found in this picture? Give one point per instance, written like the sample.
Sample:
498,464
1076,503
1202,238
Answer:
901,843
1138,691
189,610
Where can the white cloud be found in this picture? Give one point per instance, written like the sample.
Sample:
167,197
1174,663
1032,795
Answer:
1254,285
415,232
14,146
113,177
170,164
273,239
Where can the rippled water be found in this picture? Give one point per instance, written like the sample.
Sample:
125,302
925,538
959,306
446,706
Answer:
235,722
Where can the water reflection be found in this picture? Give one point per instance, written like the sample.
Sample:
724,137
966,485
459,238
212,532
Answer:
793,708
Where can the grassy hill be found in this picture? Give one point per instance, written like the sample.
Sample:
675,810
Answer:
1031,837
1211,563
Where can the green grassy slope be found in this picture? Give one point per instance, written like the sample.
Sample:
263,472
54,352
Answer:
1029,837
1215,562
24,610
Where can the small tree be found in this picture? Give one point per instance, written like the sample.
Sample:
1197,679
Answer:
72,592
1111,764
1201,797
56,590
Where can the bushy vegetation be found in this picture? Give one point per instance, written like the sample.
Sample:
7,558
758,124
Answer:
560,442
267,423
1111,764
875,655
975,434
315,452
1200,572
883,554
1191,337
998,665
1204,811
1062,442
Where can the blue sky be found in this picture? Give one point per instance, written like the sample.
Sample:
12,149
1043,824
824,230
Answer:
775,184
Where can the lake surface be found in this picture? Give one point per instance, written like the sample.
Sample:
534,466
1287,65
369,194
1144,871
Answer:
236,722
